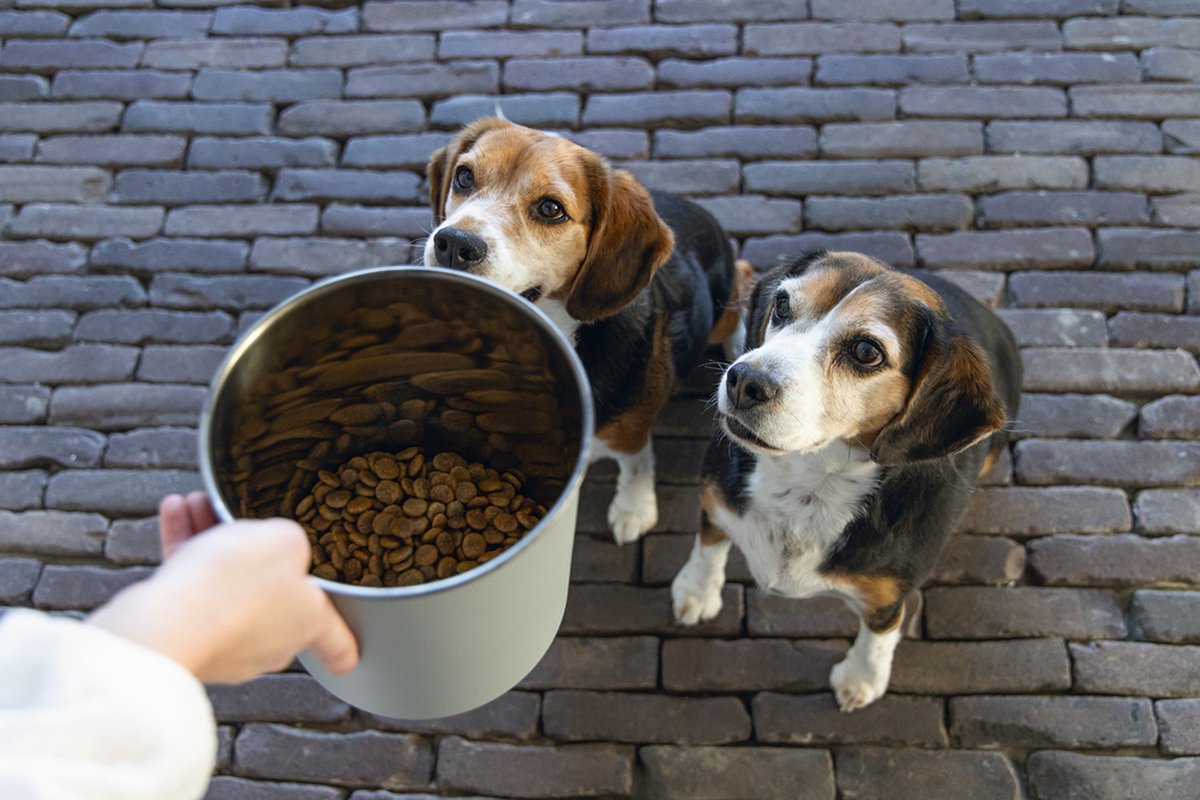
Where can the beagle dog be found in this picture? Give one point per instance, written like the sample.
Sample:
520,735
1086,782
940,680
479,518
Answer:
850,436
640,282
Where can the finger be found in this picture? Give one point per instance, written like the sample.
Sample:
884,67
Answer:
174,523
335,646
201,511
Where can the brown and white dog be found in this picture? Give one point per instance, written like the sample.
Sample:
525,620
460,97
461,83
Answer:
641,282
851,434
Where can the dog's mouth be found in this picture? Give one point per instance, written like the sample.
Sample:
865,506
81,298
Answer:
532,294
744,435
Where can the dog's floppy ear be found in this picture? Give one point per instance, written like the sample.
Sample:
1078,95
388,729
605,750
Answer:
442,161
628,243
951,406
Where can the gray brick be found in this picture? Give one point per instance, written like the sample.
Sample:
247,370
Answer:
50,291
357,51
1169,64
1163,8
23,87
1120,561
1147,247
988,560
505,44
121,85
224,787
661,41
882,9
23,404
578,13
80,5
411,151
232,292
180,188
1172,617
88,222
1181,210
598,608
84,588
750,214
614,143
350,185
1108,292
143,24
1063,208
574,716
226,53
891,70
20,491
583,770
687,177
126,405
1064,69
1074,137
724,11
916,774
1193,292
745,142
1109,463
812,38
180,363
47,329
585,74
48,56
159,255
595,562
232,119
251,21
82,363
1168,511
1075,416
987,102
113,150
1023,511
433,15
823,177
986,287
535,110
52,533
1134,329
337,118
1181,135
976,174
1006,250
814,105
1148,173
155,448
270,86
1016,666
153,325
976,612
892,248
17,147
815,719
1056,327
1053,721
320,257
243,221
33,23
512,715
283,698
733,72
117,492
424,80
686,109
904,212
976,37
901,139
969,9
133,541
622,662
18,576
1129,33
1172,417
340,220
712,665
32,184
261,153
766,773
1149,101
93,117
1072,776
1179,726
1136,668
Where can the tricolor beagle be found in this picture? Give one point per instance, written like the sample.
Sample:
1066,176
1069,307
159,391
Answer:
641,282
851,434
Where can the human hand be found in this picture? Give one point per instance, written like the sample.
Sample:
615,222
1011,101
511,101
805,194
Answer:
232,603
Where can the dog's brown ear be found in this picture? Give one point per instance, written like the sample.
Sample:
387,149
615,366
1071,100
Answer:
628,243
442,162
951,406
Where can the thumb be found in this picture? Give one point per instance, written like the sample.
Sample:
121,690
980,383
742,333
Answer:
335,646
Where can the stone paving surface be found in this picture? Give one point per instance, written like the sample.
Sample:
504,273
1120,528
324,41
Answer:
170,170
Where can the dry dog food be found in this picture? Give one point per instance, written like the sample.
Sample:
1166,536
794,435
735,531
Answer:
399,519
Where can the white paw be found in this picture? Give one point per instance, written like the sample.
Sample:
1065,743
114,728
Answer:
694,599
632,512
855,684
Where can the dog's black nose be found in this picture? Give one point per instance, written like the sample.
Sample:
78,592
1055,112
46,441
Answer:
749,386
458,249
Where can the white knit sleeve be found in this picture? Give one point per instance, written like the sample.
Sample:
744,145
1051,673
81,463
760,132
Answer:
87,715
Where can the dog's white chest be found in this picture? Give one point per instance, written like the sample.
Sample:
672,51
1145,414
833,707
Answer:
556,310
799,505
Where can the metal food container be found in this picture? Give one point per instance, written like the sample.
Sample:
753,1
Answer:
376,336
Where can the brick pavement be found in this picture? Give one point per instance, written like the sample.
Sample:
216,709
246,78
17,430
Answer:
168,170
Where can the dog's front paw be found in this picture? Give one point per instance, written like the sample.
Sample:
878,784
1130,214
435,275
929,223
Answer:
855,684
632,513
694,599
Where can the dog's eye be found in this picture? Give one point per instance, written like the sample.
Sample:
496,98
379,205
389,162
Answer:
866,353
464,179
550,210
781,311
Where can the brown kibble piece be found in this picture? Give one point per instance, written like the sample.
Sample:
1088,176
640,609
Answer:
326,571
384,466
465,491
415,507
426,555
358,505
337,499
387,491
473,545
410,577
505,522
